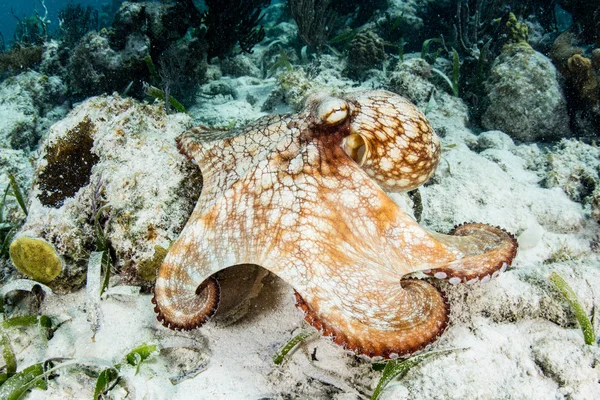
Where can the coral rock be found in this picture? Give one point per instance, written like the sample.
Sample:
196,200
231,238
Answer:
524,98
366,52
29,104
120,153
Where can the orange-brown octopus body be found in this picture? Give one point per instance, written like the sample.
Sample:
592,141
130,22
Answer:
303,196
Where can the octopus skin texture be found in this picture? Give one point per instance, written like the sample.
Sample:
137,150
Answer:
304,196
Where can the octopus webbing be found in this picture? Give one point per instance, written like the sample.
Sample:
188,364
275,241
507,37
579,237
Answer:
304,196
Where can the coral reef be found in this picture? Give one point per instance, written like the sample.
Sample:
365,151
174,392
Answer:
145,44
518,32
95,67
240,65
524,97
179,70
55,58
296,84
157,23
365,52
415,80
29,104
411,79
121,154
584,77
581,69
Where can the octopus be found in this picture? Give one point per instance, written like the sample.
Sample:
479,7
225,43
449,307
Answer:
304,196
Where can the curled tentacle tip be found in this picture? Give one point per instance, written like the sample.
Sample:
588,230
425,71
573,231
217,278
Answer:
486,250
187,313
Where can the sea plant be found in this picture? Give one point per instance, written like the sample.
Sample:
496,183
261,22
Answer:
426,51
159,94
74,21
8,229
314,19
69,164
343,39
16,385
282,61
454,81
567,292
289,346
16,190
398,368
37,375
391,28
393,369
233,22
20,58
98,273
11,380
32,30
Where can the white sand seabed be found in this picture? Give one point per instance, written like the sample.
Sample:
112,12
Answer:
515,337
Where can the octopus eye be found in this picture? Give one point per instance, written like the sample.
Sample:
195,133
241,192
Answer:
356,147
332,111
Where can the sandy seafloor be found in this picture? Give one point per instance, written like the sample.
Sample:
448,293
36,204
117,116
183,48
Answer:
514,337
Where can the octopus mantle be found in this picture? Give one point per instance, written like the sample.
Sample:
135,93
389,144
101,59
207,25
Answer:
303,196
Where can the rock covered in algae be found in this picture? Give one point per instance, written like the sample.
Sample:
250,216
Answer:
115,159
36,258
523,96
29,103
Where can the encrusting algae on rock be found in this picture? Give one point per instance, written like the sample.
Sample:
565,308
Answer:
97,169
36,258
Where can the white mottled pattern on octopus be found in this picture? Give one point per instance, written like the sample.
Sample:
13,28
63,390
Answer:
301,195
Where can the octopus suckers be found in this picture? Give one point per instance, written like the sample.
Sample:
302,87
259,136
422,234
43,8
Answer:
303,196
440,275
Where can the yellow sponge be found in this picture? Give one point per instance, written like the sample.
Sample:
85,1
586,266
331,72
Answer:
36,258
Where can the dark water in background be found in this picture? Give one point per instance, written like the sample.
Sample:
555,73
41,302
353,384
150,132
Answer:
26,8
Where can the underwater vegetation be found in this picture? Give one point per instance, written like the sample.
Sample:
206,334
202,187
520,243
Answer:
69,160
20,58
75,21
175,34
313,18
182,38
233,22
390,121
34,29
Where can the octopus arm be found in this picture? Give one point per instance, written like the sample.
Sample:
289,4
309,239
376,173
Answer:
483,252
185,294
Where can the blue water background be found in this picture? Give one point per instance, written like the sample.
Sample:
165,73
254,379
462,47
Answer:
26,8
